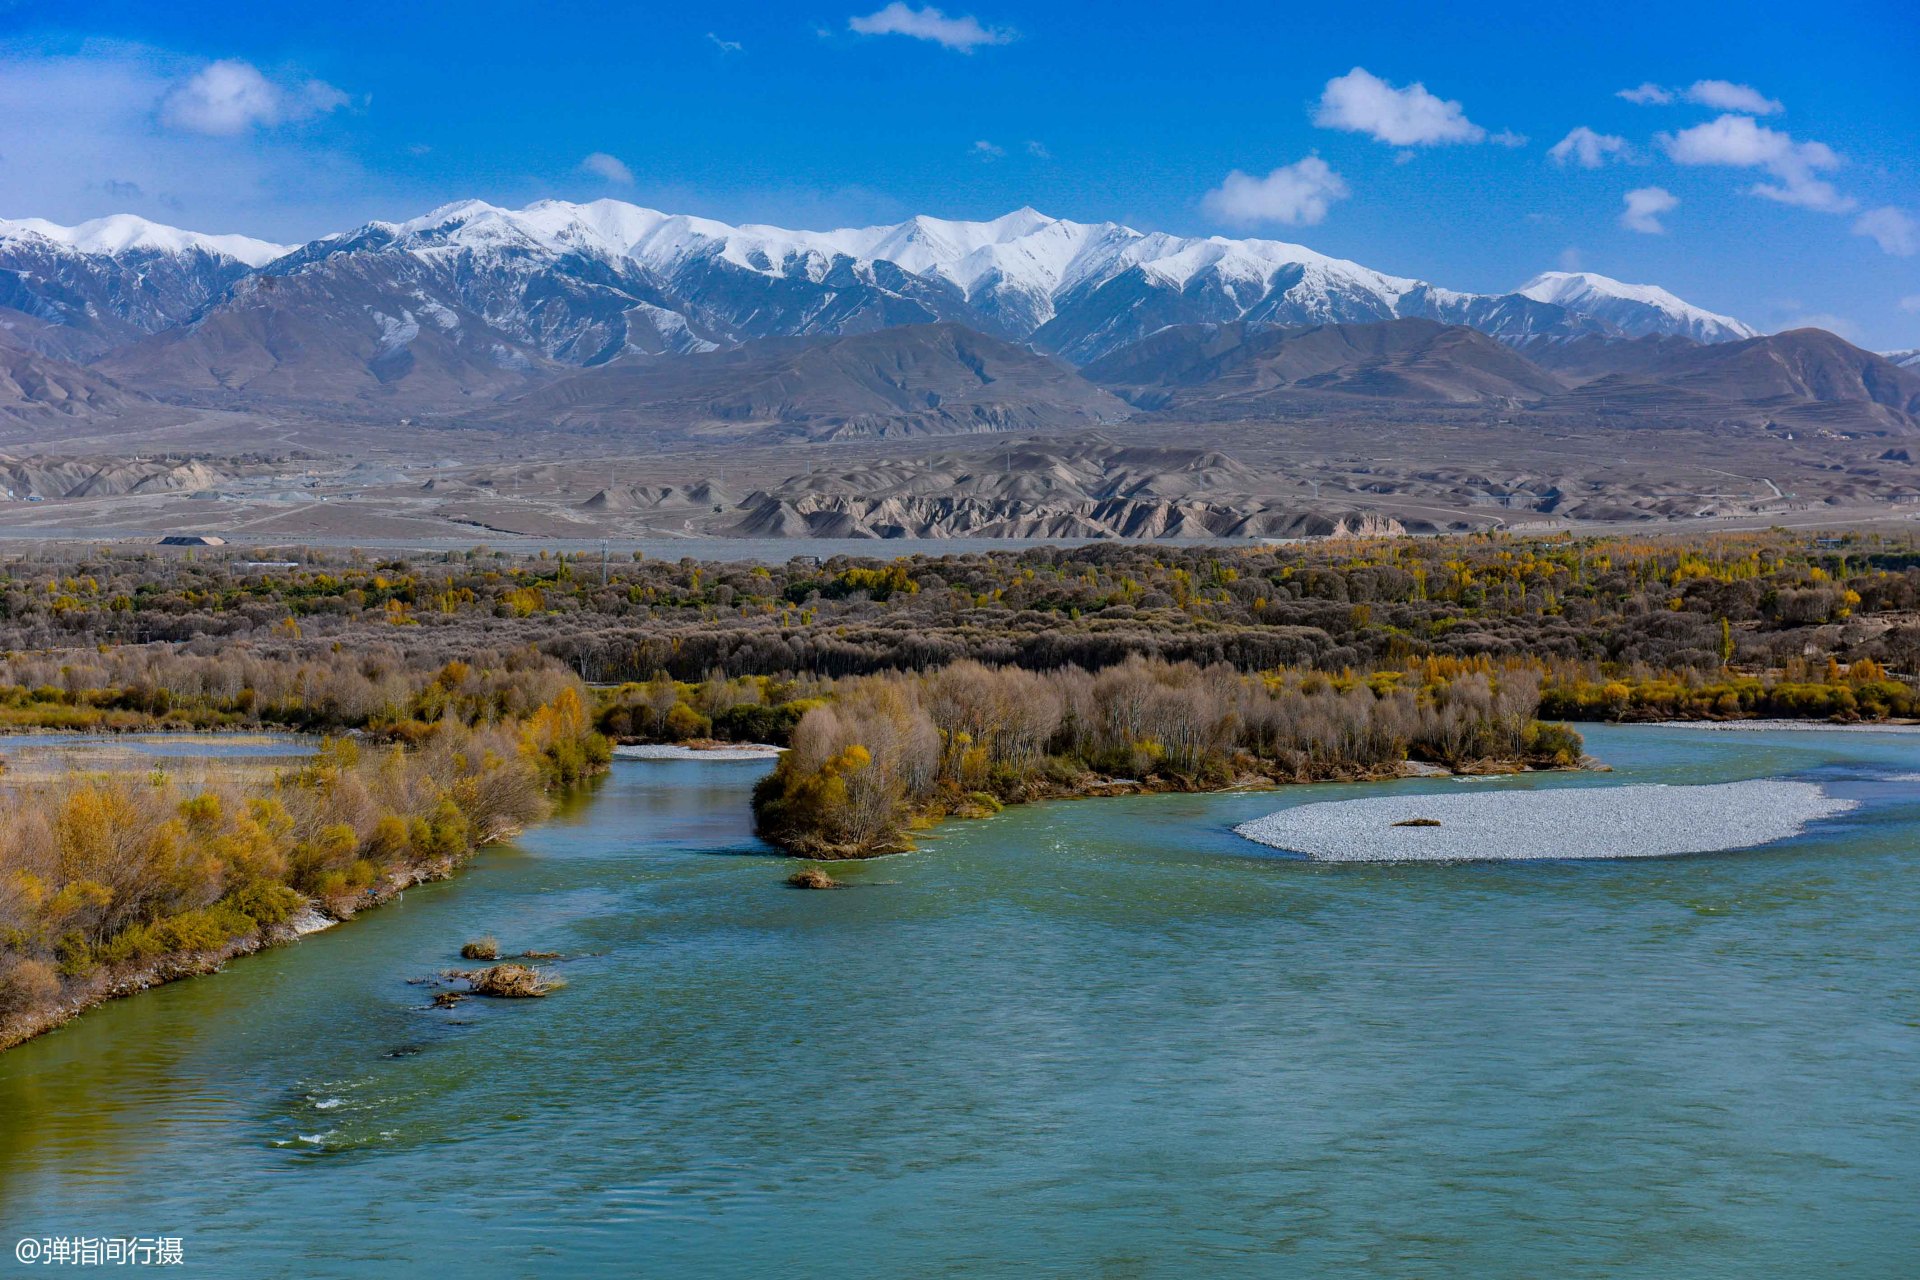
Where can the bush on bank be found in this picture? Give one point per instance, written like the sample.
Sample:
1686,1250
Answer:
100,876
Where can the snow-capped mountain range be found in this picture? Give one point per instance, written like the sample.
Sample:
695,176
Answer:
123,234
580,284
78,291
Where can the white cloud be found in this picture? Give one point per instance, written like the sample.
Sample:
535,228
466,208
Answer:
1647,95
1571,258
1508,138
1298,194
76,122
726,46
1038,150
1724,95
231,96
1360,102
1911,302
1740,142
1644,207
1894,230
963,34
1588,149
984,150
612,168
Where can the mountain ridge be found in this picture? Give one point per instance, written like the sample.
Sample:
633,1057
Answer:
584,284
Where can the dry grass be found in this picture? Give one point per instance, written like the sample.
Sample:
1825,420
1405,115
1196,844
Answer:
1418,822
486,948
812,878
512,981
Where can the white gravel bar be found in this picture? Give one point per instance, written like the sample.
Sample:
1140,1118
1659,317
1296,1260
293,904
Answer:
1638,821
673,751
1787,726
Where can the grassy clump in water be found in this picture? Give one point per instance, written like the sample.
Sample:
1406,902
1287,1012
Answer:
512,981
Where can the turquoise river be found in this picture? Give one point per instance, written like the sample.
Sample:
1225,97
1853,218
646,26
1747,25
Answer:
1095,1038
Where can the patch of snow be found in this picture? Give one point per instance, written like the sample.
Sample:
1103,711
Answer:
507,358
396,332
443,317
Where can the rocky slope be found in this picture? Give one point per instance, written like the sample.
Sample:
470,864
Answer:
1807,376
36,388
26,478
1243,370
1044,490
917,380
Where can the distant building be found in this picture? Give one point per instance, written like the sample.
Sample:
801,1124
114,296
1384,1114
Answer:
192,540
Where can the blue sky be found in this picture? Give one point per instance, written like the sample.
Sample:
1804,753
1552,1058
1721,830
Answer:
1778,181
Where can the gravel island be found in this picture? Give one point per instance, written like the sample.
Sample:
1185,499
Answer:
1639,821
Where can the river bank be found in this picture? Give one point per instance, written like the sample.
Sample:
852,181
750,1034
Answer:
118,883
310,917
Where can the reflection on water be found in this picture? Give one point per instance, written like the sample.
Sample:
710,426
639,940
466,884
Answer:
1088,1037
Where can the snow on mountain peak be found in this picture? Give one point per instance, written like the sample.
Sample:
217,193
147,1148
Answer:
122,233
1077,288
1024,251
1609,299
1021,266
1552,286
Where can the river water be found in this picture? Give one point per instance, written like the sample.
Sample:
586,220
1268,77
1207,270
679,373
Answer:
1100,1037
